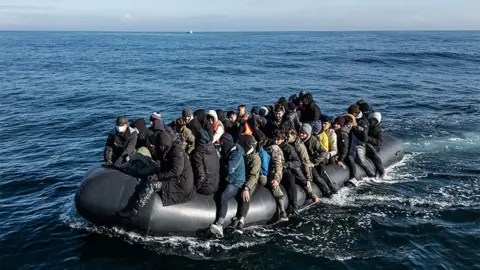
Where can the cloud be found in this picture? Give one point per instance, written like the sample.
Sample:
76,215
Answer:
127,17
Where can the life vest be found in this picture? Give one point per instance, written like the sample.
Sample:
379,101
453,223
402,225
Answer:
246,129
215,127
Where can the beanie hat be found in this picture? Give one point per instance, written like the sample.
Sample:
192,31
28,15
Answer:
187,112
255,110
140,124
306,128
317,126
353,109
340,120
202,137
291,107
226,142
263,111
247,141
364,107
155,116
361,101
122,120
259,135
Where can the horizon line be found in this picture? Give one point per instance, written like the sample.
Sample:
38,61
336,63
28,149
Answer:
247,31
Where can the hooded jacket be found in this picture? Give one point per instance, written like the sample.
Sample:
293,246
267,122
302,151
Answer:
343,142
253,164
120,145
217,128
310,112
206,164
361,130
293,164
143,133
232,162
318,155
176,172
200,113
158,127
375,135
332,142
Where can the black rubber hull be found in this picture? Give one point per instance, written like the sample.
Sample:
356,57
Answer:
105,191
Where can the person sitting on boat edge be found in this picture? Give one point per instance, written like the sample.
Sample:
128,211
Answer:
185,135
233,174
216,124
205,164
317,131
121,142
173,179
332,139
140,125
253,165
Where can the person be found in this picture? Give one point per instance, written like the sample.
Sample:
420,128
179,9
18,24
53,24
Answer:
155,116
228,123
365,108
332,139
173,179
158,127
277,122
293,117
292,172
143,133
375,140
255,111
318,157
205,164
220,115
305,160
199,122
185,135
193,124
216,124
242,112
317,131
233,172
345,157
275,175
360,131
264,111
253,165
121,142
310,112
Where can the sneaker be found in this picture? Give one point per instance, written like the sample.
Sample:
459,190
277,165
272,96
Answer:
353,182
217,229
292,210
239,227
234,223
283,217
381,174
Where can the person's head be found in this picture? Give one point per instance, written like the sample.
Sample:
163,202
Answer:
226,143
121,124
305,132
317,127
248,143
202,137
199,115
212,117
187,114
279,137
327,124
220,115
242,110
155,116
263,111
348,120
279,112
180,123
232,116
354,109
255,110
140,125
339,122
260,137
291,135
163,143
292,107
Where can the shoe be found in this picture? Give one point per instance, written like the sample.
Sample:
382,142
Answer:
239,227
353,182
217,229
125,213
283,217
314,197
292,210
381,174
234,223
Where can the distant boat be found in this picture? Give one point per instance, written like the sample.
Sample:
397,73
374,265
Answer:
190,32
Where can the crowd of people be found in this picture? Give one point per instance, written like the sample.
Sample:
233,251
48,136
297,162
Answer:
287,144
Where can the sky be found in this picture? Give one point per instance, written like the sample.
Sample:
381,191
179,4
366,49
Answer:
239,15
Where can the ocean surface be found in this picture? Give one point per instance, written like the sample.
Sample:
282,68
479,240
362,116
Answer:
60,93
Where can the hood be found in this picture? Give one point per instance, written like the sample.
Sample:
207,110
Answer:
317,126
307,129
226,143
375,116
202,137
163,143
263,111
255,110
140,124
213,114
158,125
221,115
208,148
247,142
200,113
307,99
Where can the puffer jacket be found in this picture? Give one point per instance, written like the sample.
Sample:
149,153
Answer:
293,164
120,145
187,139
206,165
361,130
219,126
176,171
343,142
233,166
375,134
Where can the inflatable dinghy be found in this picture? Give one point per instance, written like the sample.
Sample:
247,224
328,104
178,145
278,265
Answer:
105,191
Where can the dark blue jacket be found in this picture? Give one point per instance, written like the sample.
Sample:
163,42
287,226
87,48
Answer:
265,158
234,166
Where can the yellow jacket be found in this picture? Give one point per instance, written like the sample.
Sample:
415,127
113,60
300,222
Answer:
323,137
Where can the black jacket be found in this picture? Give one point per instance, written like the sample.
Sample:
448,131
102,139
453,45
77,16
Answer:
176,171
361,131
143,133
206,168
343,140
292,164
200,122
310,112
375,134
120,145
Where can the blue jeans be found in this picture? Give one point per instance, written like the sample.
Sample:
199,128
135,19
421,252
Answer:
230,192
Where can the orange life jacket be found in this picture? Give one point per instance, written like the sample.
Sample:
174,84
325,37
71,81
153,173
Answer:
215,127
246,129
